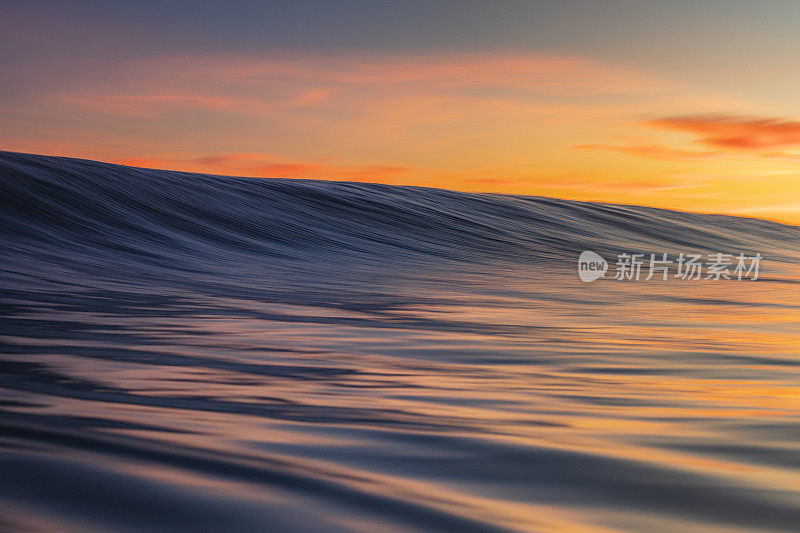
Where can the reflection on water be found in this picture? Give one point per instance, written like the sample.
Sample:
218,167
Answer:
442,394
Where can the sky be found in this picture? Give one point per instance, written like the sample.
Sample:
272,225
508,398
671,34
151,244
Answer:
687,105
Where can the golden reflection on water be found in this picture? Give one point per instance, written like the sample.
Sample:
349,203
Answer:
685,381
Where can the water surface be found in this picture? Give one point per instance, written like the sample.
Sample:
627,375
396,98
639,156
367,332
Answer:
188,352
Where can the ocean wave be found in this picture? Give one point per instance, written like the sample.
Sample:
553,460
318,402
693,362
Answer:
195,352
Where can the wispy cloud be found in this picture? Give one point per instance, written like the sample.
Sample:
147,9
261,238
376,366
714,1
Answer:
268,85
736,132
731,136
633,186
267,165
655,151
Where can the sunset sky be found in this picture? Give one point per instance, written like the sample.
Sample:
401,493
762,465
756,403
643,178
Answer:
686,105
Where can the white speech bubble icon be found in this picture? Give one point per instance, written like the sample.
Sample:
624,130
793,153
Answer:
591,266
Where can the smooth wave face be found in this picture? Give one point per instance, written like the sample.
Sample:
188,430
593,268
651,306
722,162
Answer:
192,352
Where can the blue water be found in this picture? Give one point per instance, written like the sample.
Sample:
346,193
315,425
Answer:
203,353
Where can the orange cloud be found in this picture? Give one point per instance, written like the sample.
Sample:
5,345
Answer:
545,72
734,137
654,151
267,166
150,105
345,82
594,184
732,131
